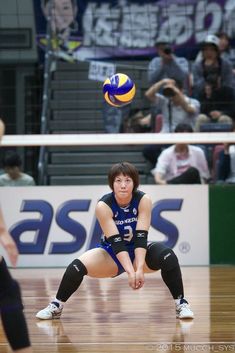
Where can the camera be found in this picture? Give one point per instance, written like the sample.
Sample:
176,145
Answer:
168,92
167,50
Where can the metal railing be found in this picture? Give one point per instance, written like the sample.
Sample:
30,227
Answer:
43,153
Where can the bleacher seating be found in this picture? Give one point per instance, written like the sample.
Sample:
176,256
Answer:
76,107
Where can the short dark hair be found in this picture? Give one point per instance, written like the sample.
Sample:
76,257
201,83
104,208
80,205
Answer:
183,127
124,168
11,159
44,2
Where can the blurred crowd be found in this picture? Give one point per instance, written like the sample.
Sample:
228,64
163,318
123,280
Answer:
200,95
195,96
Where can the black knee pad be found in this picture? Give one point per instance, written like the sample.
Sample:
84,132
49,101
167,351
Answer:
76,269
71,280
159,256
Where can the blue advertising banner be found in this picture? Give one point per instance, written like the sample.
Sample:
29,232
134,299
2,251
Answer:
88,30
53,225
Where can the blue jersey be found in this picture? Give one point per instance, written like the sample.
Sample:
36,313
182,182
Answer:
125,218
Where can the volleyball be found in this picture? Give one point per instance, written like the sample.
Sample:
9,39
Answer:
119,90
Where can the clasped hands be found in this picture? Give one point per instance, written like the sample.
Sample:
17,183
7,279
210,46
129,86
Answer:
136,279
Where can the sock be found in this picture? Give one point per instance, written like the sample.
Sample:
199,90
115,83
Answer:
58,302
180,301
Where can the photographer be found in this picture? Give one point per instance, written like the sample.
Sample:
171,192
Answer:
173,104
167,65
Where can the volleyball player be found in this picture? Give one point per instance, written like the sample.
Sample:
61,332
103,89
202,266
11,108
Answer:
124,216
11,307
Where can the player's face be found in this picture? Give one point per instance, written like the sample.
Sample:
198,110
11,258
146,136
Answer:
123,186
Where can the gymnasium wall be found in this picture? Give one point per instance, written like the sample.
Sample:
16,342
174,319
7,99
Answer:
222,224
17,32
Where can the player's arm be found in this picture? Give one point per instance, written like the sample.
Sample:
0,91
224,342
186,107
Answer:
150,94
5,238
140,238
141,233
109,228
7,241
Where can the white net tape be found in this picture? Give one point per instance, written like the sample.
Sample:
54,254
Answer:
117,139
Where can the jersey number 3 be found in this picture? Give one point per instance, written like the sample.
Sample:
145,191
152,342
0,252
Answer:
128,233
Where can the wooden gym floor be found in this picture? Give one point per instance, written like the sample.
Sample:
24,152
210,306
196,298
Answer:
105,316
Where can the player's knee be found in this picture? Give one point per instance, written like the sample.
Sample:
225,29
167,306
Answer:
76,270
160,257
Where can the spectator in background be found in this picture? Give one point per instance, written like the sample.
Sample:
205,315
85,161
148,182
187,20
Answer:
226,168
181,163
114,117
226,52
13,175
211,63
173,104
138,120
167,65
217,102
229,18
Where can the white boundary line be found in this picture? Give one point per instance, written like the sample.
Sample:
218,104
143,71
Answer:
117,139
134,343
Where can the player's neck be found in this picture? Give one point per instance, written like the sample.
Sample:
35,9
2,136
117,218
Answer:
123,202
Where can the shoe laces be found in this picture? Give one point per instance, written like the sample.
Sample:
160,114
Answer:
52,306
184,306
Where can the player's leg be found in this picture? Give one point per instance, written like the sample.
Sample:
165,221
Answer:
160,257
94,263
11,307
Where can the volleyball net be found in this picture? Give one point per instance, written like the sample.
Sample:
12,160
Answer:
116,139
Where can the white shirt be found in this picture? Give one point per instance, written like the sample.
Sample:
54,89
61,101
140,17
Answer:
169,165
24,180
178,114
